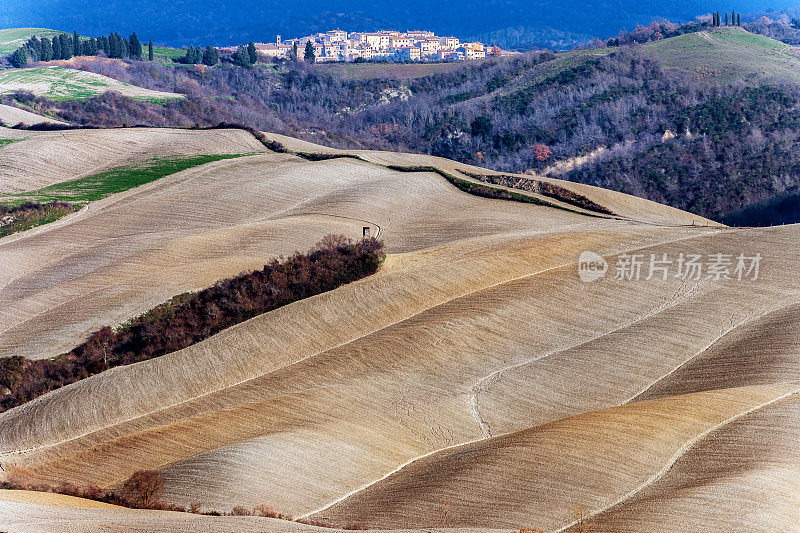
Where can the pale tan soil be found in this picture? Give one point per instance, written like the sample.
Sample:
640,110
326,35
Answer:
19,518
11,116
474,381
132,251
53,157
625,205
51,499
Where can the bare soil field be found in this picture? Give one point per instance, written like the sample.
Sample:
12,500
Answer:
474,382
30,497
11,116
45,158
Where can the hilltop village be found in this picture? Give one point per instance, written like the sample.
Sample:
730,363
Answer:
338,45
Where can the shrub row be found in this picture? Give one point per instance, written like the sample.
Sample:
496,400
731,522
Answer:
143,490
483,190
189,318
544,188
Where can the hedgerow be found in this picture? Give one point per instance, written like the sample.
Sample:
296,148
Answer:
193,317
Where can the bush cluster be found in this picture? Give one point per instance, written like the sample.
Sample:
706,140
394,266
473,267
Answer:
188,319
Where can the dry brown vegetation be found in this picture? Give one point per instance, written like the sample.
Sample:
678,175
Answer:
474,381
192,317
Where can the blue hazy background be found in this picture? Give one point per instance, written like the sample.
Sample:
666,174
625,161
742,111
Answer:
511,23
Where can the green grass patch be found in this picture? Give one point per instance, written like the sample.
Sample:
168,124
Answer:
29,215
62,83
22,211
6,142
727,54
165,53
13,38
98,186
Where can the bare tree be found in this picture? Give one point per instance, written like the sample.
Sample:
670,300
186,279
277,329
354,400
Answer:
144,487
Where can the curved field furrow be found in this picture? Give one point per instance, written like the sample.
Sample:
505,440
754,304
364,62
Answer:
438,353
541,476
764,349
622,204
740,477
474,381
184,231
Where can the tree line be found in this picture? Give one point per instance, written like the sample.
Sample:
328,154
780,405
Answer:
65,46
736,19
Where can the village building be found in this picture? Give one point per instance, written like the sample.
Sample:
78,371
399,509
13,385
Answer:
407,53
472,51
413,45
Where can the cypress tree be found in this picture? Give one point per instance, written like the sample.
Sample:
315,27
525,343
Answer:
194,56
65,43
251,51
309,55
76,44
726,18
738,19
210,56
294,52
47,49
135,48
150,50
241,57
33,48
56,48
117,45
20,57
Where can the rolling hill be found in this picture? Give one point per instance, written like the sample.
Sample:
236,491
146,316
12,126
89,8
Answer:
728,53
13,38
473,382
61,83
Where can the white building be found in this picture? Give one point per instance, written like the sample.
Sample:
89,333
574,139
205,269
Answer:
472,51
413,45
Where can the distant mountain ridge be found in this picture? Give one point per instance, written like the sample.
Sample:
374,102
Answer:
184,22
